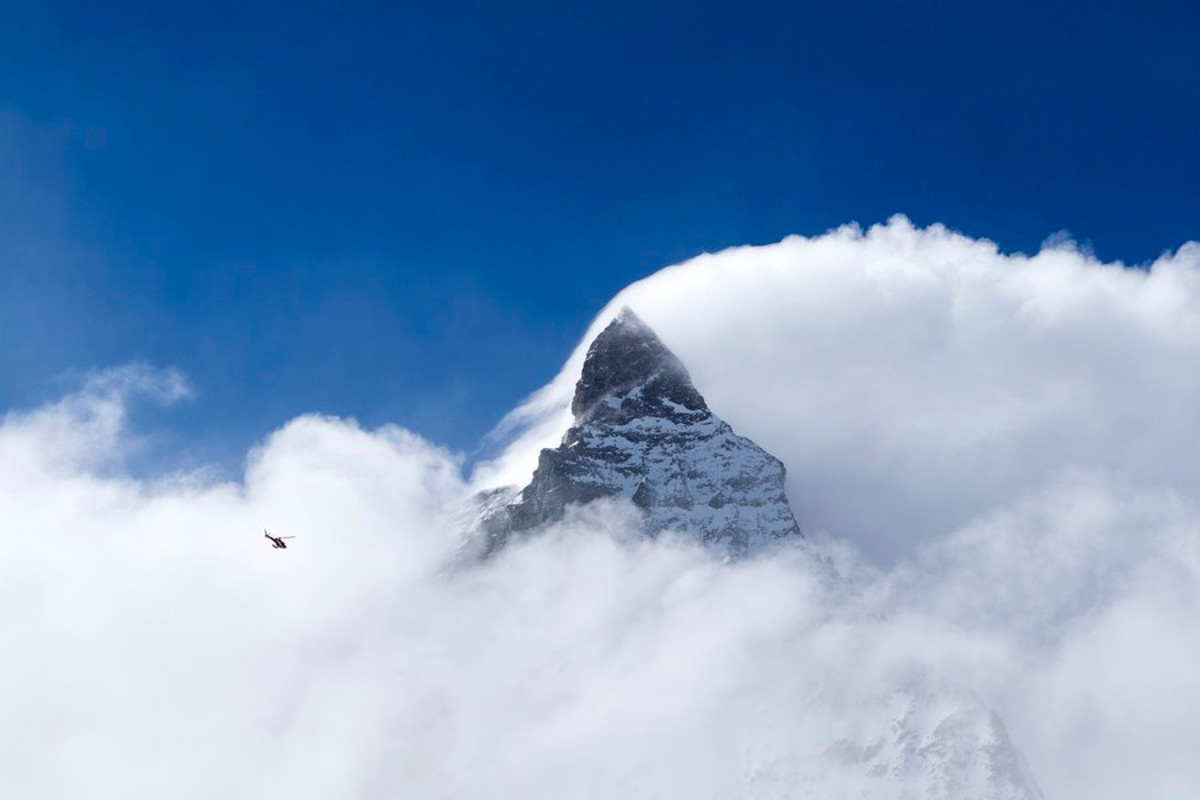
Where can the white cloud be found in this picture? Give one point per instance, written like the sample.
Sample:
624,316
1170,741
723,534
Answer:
911,379
83,428
1015,432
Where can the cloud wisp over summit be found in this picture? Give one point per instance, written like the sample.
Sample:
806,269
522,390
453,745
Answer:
912,378
993,450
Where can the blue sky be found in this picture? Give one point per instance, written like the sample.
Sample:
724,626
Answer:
409,212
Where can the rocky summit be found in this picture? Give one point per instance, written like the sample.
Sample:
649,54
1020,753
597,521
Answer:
642,432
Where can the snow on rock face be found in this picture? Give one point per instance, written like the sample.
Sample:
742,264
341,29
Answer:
915,743
642,432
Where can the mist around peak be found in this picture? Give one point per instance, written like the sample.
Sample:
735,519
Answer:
994,451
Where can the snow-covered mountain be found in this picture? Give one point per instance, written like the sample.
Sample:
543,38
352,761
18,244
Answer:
912,743
642,432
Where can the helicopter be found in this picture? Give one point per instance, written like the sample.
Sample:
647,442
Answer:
277,541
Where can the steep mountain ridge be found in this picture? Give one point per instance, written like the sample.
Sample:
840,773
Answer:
643,432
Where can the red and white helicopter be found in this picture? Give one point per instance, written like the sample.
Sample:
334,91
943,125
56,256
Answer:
277,541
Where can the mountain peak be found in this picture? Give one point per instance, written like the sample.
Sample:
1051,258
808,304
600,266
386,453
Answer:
642,433
626,355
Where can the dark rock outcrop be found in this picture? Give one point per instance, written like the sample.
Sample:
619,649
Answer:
642,432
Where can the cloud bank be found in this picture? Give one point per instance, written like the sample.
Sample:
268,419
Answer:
910,378
997,447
